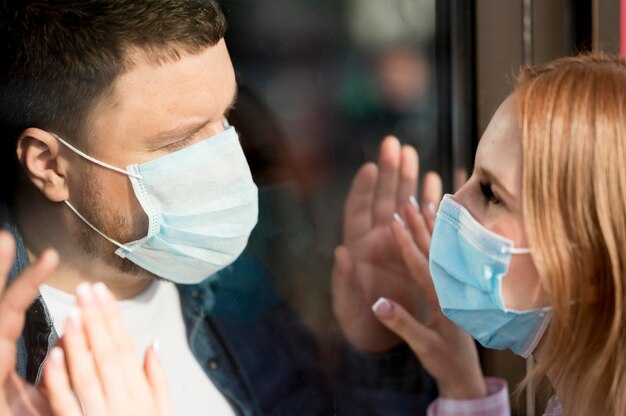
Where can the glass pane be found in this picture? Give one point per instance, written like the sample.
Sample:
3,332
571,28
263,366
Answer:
321,83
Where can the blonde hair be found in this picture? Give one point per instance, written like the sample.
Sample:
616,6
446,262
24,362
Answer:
572,114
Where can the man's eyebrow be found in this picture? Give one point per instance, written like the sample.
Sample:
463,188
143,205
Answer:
494,181
233,101
189,129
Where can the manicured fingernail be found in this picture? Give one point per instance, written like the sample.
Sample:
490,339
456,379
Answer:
414,202
397,218
431,208
156,348
57,357
75,318
383,308
102,293
83,291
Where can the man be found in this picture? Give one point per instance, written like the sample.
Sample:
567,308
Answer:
126,165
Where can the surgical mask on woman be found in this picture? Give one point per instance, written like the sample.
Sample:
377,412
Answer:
467,264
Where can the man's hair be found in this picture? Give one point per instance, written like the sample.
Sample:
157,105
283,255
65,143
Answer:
59,58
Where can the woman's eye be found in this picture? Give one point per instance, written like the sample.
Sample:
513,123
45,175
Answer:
487,192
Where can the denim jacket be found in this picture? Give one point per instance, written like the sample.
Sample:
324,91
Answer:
259,356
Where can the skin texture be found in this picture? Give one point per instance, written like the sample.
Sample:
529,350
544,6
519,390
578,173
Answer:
368,264
101,369
153,110
16,396
443,348
499,163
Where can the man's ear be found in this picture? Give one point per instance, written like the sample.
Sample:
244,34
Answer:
38,152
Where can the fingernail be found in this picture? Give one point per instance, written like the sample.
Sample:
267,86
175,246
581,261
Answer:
414,202
397,218
75,318
156,347
101,292
57,356
431,208
383,308
83,291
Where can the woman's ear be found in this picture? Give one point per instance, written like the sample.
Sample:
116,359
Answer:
38,152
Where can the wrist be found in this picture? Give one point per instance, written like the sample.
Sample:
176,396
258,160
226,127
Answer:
463,392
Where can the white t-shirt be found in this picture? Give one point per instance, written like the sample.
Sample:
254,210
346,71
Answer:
156,314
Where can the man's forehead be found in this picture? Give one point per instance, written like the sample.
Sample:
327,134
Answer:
150,97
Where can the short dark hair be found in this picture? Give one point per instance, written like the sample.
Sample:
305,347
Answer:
58,58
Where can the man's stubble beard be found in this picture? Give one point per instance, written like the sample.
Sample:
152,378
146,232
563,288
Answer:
95,209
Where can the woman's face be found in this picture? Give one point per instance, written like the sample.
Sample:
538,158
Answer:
493,195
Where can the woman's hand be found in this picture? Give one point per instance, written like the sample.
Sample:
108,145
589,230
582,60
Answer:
445,350
18,398
95,371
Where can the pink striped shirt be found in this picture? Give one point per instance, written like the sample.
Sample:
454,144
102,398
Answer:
496,403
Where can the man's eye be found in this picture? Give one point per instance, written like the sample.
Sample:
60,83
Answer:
487,192
179,144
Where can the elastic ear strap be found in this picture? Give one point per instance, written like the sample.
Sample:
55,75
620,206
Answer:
93,160
514,250
94,228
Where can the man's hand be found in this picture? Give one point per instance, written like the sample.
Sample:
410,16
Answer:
369,265
16,396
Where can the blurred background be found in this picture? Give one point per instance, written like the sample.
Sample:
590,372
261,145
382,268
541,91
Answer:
323,81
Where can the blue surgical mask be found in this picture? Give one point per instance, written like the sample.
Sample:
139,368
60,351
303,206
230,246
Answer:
201,204
467,264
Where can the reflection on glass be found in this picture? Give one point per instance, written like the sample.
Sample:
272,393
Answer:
321,83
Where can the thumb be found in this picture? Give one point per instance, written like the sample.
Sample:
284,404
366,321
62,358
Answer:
420,338
157,380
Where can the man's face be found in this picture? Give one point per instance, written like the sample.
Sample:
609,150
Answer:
154,110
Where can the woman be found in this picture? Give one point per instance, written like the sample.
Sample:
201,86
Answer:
528,254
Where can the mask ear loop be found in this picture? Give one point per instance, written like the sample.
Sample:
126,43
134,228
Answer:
514,250
94,160
93,227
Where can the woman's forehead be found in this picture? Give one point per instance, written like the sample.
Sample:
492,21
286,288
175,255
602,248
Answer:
500,149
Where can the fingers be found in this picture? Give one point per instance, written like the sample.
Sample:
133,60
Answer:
432,194
112,319
112,352
21,293
416,262
419,337
385,197
358,212
417,226
80,364
409,168
156,378
58,388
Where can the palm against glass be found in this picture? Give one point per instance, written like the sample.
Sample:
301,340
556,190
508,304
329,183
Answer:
369,264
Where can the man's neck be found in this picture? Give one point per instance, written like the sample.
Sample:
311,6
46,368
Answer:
46,224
